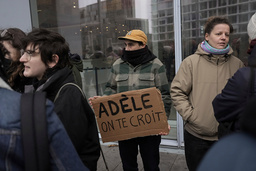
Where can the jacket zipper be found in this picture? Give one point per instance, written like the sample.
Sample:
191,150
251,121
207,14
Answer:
218,60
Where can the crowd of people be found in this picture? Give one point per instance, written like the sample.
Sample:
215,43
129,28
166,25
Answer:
212,86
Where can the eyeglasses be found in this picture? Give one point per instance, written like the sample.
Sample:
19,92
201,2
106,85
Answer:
30,53
5,32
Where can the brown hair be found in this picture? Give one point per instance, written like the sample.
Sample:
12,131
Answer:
215,20
14,36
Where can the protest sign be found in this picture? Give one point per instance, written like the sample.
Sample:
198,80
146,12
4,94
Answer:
130,114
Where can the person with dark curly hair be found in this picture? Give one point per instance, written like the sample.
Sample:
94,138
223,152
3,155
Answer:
62,154
11,39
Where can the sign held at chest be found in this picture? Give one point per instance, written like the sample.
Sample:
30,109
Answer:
130,114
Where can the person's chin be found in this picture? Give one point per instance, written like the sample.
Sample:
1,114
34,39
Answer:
26,74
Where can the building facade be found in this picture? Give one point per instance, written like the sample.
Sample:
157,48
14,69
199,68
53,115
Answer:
174,29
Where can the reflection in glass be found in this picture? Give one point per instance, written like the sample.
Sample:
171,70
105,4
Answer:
212,12
232,10
212,4
93,26
243,8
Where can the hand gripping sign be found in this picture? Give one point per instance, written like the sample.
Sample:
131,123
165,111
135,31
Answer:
130,114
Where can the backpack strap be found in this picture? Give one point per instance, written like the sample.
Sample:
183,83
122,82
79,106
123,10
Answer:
57,95
34,131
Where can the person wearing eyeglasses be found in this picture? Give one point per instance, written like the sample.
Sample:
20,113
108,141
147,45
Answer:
11,40
63,156
46,59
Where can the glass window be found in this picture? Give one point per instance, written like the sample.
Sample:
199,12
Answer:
232,10
233,19
212,12
193,16
162,36
161,22
193,7
170,35
212,4
203,14
253,6
243,28
232,1
93,25
222,2
203,5
154,15
170,28
169,12
169,20
186,17
243,17
154,22
186,8
155,29
243,7
161,6
193,33
193,24
186,25
161,13
222,11
155,37
170,4
162,29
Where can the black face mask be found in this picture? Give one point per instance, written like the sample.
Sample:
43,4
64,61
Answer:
4,66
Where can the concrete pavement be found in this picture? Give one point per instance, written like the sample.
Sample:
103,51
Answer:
170,159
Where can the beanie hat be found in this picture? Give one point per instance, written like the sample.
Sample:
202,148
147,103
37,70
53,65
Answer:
251,27
135,35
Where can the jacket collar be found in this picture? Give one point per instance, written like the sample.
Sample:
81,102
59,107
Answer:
3,84
214,58
200,51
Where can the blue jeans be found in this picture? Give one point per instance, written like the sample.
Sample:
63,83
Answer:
149,151
195,149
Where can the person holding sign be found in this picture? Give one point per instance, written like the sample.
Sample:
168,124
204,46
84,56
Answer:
138,68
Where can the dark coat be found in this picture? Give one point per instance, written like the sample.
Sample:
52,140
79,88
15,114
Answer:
230,104
76,116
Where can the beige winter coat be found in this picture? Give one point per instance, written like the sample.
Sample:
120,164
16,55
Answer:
200,78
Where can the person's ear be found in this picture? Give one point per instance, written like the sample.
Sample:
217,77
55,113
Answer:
206,36
55,60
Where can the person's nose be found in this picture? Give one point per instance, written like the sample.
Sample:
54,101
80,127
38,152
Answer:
223,37
23,58
127,48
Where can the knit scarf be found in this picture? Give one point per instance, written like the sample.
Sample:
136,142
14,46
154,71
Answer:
251,46
137,57
208,48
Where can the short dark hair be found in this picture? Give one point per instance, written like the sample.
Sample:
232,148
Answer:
215,20
49,43
141,43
